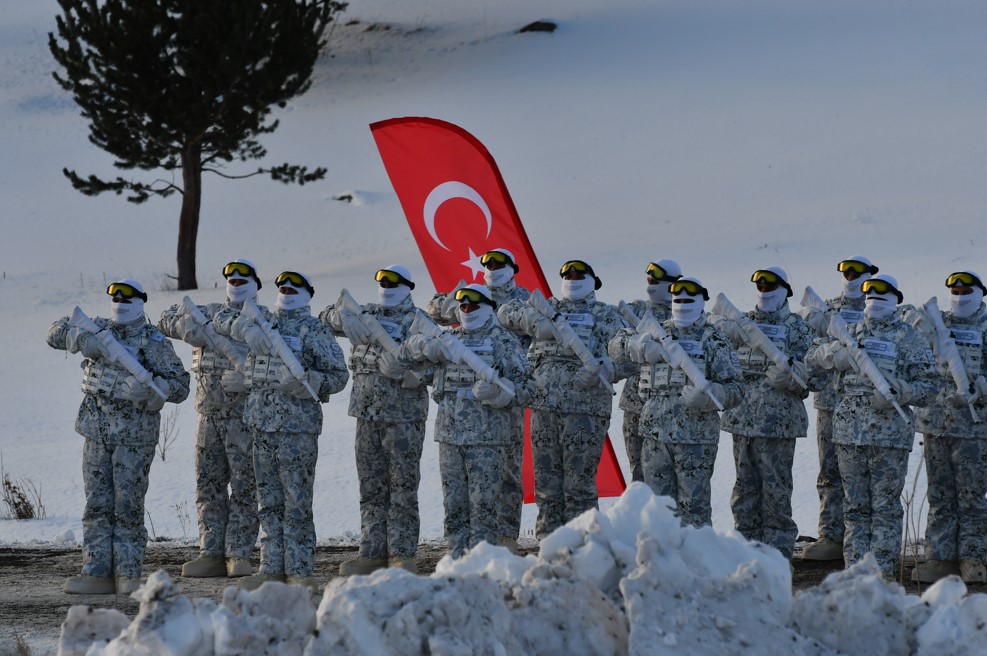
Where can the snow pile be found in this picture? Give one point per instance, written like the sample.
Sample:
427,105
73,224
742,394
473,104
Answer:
628,580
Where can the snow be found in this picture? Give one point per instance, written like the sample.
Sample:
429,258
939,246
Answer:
728,136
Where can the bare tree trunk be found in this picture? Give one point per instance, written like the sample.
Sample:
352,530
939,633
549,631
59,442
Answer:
188,221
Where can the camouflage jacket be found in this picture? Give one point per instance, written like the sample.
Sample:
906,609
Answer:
553,365
823,382
630,399
375,397
899,351
208,365
765,411
115,421
269,409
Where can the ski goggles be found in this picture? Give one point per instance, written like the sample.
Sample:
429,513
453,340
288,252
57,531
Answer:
471,296
855,266
576,265
393,277
879,287
769,277
496,257
690,287
658,273
126,291
294,279
239,268
964,278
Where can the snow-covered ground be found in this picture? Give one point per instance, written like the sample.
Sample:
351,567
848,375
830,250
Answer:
728,136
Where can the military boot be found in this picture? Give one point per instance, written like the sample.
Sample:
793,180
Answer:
254,581
86,584
127,584
362,565
823,549
932,570
404,562
307,581
237,567
205,566
973,571
510,543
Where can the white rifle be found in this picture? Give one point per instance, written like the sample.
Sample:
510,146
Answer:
949,354
214,340
755,337
378,333
677,357
281,349
115,351
459,352
838,330
568,337
628,314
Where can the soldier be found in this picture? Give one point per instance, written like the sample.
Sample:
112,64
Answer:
443,309
872,440
679,421
829,486
571,407
769,417
286,418
224,453
474,424
390,428
120,418
956,444
660,275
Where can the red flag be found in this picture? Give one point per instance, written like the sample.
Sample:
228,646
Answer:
458,208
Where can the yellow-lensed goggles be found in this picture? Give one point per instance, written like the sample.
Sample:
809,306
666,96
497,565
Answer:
855,266
658,273
690,287
769,277
575,265
470,296
126,291
496,257
964,278
295,279
878,286
239,268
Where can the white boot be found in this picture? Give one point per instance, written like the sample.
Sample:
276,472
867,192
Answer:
823,549
205,566
973,571
932,570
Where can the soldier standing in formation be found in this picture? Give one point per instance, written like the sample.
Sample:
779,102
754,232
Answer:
285,412
390,417
120,418
224,445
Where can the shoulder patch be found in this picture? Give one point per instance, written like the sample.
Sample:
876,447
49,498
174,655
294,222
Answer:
156,336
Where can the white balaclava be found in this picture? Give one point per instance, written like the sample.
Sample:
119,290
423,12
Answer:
686,308
965,305
881,306
502,276
851,288
576,290
129,310
773,300
240,293
658,293
478,317
294,301
394,296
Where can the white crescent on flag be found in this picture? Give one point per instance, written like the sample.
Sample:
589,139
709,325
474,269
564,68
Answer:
447,191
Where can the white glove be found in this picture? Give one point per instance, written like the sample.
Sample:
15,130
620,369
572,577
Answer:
697,399
728,327
412,380
783,379
131,389
904,393
233,382
543,328
834,355
490,394
390,367
294,387
154,403
80,340
959,399
355,331
818,320
643,349
586,378
430,348
247,331
190,331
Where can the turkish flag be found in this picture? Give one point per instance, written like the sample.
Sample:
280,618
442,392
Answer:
458,208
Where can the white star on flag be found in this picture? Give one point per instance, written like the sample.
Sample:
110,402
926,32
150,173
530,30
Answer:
473,264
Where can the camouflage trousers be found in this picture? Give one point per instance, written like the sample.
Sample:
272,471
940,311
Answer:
873,478
634,444
225,488
471,477
285,467
566,451
682,472
762,494
511,499
388,463
113,533
957,474
829,484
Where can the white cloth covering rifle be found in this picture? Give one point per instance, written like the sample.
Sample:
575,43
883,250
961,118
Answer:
568,338
755,337
459,352
346,303
628,314
281,349
838,330
214,340
115,351
949,354
677,357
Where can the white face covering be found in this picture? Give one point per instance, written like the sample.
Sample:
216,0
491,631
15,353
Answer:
659,294
239,294
772,301
122,313
498,277
851,288
684,314
575,290
880,306
392,296
475,319
964,305
293,301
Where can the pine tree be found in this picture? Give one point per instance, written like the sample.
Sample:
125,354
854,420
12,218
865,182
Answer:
186,84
